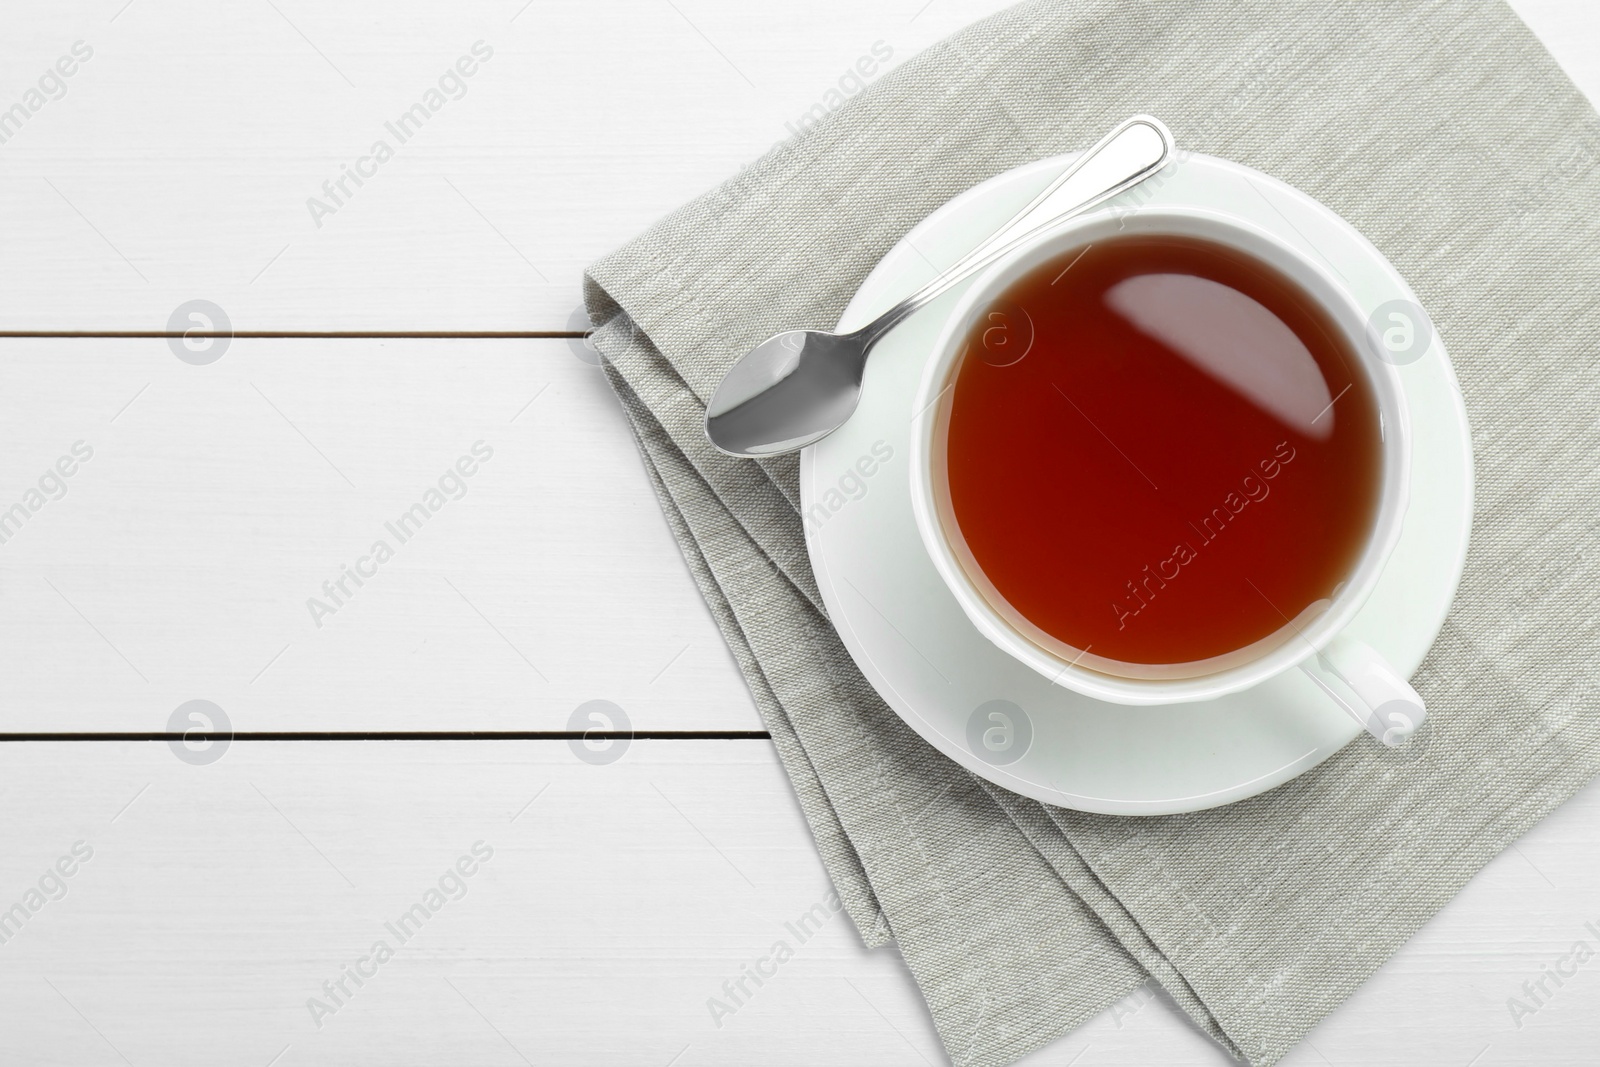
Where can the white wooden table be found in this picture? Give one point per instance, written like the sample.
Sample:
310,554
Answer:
381,336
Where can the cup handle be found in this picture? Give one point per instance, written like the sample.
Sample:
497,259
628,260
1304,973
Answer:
1364,684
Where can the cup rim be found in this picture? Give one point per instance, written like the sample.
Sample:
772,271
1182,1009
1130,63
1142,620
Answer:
1245,670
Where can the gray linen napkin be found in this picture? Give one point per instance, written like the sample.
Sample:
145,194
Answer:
1447,135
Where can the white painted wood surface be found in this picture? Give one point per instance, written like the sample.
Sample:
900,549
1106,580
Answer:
180,160
177,166
187,559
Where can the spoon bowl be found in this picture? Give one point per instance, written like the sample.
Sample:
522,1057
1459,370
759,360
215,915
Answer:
791,390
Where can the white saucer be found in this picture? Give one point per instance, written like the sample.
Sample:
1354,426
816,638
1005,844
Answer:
997,717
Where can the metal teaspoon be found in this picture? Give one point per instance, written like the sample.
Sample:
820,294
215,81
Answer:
797,387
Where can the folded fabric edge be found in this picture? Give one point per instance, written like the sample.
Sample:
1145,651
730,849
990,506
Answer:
748,490
844,865
601,307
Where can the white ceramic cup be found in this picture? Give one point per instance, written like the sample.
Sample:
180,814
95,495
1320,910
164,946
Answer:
1350,672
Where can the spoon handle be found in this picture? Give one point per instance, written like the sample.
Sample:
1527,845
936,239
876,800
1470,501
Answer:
1124,157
